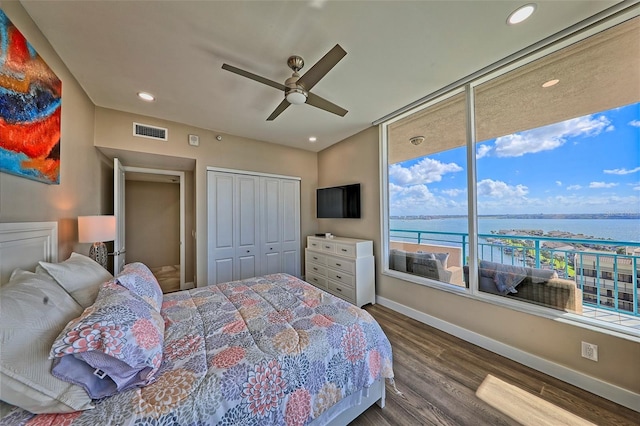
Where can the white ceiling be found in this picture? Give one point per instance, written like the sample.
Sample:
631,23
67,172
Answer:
397,52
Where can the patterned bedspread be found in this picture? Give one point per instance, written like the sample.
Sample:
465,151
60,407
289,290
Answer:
266,350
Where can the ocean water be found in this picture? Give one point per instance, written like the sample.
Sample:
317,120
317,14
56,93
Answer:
615,229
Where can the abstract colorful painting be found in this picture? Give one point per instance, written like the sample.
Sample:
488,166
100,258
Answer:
30,102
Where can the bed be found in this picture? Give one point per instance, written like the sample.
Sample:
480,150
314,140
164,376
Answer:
266,350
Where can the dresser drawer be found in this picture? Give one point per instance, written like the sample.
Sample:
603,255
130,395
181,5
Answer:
316,258
315,269
347,293
328,246
314,244
341,277
342,264
317,281
346,250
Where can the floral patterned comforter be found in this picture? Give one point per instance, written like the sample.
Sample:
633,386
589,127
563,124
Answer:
266,350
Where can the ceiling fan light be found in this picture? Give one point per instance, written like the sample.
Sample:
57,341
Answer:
296,97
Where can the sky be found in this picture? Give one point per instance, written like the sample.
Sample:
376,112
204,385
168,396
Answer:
588,164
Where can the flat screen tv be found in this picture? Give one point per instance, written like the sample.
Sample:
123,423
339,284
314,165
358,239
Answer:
338,202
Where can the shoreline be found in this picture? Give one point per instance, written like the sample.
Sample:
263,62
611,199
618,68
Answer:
578,216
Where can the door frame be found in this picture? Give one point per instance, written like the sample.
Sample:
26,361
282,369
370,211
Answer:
180,175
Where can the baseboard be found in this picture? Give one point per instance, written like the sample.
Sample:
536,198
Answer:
596,386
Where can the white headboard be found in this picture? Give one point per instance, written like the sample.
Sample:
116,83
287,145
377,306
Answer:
23,244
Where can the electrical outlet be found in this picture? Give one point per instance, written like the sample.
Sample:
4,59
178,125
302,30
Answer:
590,351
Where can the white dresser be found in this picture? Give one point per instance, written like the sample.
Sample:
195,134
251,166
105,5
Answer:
343,267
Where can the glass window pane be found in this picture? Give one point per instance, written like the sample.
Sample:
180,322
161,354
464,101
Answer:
558,178
427,172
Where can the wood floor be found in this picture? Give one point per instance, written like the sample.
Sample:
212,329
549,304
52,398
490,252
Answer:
439,375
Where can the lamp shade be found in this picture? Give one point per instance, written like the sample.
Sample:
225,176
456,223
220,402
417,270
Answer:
92,229
296,97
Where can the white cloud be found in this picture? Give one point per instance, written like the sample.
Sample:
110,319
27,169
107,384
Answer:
483,150
621,171
426,170
634,123
559,183
636,188
602,185
550,137
561,204
573,187
453,192
418,200
498,189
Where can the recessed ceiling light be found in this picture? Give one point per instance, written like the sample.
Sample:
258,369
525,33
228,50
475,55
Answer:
312,139
521,14
146,96
551,83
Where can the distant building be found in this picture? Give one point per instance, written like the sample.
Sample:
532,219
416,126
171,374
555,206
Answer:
608,274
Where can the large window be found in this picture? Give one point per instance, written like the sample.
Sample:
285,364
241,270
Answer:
427,181
552,169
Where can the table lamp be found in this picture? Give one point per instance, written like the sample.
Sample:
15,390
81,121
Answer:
96,230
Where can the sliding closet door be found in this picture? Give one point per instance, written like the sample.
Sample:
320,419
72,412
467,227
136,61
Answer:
290,240
220,242
253,226
246,226
280,205
271,205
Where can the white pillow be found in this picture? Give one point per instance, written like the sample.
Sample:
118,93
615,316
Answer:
34,309
80,276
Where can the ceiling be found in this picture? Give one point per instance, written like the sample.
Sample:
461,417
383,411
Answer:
397,52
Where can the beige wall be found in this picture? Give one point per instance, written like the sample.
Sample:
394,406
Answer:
356,160
83,173
113,130
152,223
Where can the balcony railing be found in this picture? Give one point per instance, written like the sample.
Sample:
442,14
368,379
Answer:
608,279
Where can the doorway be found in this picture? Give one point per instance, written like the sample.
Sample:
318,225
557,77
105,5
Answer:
150,210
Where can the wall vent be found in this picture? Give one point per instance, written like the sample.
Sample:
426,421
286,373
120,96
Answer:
151,132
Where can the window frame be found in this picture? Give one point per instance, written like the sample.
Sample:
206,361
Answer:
468,85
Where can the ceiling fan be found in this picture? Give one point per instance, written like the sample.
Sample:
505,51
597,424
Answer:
297,89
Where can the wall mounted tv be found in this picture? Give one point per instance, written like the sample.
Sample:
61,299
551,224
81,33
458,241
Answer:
338,202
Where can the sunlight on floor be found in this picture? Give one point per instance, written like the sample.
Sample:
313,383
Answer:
524,407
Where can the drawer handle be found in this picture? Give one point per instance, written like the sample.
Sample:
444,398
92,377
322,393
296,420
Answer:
338,288
343,249
338,264
327,247
338,277
315,269
248,251
315,258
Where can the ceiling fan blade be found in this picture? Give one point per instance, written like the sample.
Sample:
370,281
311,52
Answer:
322,67
318,102
253,76
276,112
